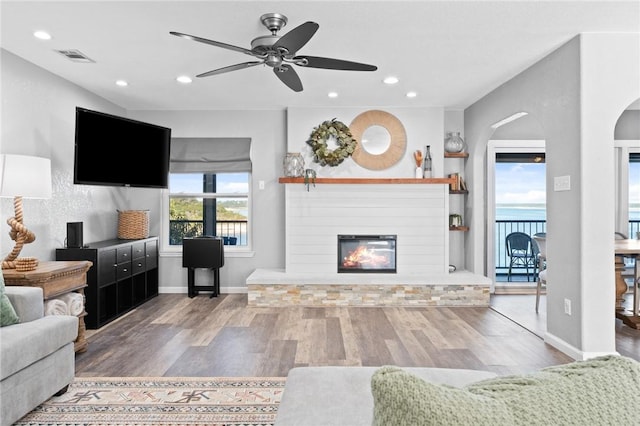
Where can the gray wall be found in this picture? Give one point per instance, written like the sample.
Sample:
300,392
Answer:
267,130
38,118
577,93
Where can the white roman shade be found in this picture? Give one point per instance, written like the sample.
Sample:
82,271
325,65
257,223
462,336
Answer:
210,155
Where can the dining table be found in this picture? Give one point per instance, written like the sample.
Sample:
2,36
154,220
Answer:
627,248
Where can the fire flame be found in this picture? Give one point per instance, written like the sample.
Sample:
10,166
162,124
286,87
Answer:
364,258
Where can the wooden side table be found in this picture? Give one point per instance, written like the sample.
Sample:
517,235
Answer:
56,279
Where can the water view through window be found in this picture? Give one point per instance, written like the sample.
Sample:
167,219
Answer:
209,204
520,193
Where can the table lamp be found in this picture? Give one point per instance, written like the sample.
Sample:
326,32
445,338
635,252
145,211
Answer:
22,176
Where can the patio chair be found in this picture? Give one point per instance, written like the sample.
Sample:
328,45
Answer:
541,241
520,251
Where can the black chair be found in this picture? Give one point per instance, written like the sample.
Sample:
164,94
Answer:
541,240
206,253
520,250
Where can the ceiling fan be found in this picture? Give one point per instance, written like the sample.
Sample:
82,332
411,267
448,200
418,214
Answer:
279,52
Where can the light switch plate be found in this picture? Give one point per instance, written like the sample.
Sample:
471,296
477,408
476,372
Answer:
562,183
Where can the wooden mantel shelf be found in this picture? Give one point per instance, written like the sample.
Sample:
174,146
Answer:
361,181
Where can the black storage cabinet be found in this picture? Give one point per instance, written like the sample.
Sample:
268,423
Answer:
203,252
123,276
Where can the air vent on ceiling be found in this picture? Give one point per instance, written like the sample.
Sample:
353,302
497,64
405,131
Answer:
75,56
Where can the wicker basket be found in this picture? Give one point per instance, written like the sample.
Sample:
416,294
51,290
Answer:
133,224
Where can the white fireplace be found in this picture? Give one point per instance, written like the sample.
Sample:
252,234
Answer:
417,214
414,212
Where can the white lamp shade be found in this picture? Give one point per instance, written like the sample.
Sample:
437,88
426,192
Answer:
25,176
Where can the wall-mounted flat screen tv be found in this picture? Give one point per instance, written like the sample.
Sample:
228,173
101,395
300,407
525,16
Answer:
117,151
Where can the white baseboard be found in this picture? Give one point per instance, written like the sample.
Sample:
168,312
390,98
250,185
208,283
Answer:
571,350
183,290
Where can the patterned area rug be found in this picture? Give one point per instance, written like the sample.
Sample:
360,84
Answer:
110,401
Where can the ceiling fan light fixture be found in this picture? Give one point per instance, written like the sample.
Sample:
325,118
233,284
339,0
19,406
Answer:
184,79
273,61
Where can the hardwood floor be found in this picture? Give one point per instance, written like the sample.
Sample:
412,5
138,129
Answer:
173,335
521,309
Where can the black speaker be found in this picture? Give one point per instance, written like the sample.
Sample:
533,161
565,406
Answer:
74,234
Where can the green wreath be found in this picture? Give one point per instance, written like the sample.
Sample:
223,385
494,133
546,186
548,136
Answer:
318,142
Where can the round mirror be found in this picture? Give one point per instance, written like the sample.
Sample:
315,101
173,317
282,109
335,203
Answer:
375,139
381,139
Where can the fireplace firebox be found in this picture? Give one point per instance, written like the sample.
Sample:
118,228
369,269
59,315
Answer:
367,253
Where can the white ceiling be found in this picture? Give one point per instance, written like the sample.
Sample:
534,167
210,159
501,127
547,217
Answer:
450,52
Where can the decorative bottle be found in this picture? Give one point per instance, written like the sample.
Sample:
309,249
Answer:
426,165
454,142
293,165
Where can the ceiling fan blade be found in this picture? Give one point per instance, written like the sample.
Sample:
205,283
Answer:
297,37
333,64
213,43
289,76
230,68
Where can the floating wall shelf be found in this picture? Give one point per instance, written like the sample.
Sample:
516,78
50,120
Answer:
365,181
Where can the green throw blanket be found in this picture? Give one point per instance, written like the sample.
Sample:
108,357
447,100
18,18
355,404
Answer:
599,391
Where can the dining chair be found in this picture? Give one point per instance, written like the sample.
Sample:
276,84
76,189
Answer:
541,241
625,259
520,249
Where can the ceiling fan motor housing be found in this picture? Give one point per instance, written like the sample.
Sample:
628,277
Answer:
263,45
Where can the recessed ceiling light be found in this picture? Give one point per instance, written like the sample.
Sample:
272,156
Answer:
411,94
184,79
42,35
390,80
122,83
333,94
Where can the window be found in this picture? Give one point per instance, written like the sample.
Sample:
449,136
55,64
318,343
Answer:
520,202
209,204
521,163
209,192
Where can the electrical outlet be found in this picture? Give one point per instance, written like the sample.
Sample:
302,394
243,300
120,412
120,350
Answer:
567,306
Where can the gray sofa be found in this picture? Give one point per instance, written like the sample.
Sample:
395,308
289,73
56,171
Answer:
37,354
603,390
340,396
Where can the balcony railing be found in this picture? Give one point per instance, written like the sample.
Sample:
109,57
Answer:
531,227
179,229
